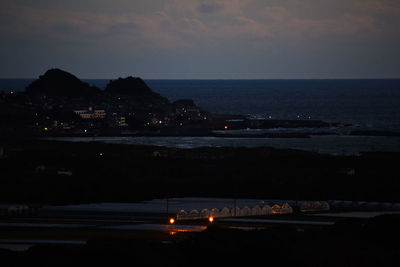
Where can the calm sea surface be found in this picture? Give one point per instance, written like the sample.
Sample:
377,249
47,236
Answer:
366,104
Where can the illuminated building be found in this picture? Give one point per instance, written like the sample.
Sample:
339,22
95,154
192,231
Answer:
90,113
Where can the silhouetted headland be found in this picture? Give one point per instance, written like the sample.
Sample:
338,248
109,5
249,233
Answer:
56,82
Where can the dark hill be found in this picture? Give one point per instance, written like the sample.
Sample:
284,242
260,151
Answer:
128,86
134,88
56,82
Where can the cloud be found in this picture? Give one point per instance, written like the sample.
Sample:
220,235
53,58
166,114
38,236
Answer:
388,7
250,35
286,22
162,29
276,13
206,7
210,8
242,28
152,29
200,23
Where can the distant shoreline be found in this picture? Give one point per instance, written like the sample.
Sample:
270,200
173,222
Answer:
322,144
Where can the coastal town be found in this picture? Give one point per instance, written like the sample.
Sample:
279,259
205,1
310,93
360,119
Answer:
59,104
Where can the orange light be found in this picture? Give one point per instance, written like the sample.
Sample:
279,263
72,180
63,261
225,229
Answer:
211,219
226,127
172,221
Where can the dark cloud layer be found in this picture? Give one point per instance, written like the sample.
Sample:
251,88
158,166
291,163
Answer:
202,38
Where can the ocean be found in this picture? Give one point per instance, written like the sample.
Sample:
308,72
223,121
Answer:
367,103
372,104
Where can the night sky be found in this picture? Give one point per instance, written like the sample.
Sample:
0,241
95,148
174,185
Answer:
204,39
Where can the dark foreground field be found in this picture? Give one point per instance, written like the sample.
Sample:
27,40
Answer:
50,172
372,242
62,172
